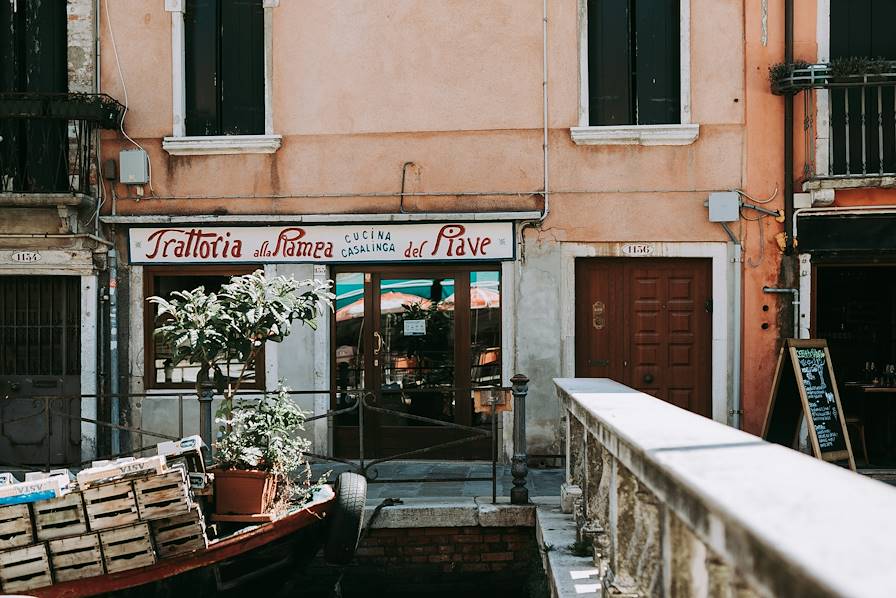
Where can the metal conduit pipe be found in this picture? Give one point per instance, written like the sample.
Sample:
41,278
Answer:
796,305
115,406
90,236
736,410
788,134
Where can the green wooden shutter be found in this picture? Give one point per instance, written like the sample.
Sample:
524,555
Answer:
242,67
609,63
201,29
657,65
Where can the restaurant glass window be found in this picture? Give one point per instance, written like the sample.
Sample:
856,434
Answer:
161,371
414,341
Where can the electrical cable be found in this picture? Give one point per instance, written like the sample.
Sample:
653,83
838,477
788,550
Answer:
124,89
759,201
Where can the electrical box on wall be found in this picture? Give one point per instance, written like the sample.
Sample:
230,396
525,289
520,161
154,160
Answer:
724,206
133,167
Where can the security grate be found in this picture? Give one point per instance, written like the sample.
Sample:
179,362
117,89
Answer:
40,326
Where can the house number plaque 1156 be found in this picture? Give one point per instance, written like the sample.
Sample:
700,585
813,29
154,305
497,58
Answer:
597,315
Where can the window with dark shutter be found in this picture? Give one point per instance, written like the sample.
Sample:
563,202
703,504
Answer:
224,46
633,62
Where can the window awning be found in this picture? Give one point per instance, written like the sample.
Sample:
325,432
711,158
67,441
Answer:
846,234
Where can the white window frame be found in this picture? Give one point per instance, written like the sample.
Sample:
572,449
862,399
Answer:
683,133
179,143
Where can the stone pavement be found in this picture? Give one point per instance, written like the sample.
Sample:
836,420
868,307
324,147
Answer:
540,482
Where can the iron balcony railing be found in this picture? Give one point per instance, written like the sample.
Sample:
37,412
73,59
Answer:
48,140
861,115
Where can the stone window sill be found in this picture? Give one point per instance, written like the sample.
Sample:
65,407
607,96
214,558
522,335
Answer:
636,135
221,144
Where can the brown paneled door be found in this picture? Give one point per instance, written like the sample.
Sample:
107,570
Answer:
40,356
648,324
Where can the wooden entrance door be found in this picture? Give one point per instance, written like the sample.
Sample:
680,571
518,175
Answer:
40,355
647,324
414,340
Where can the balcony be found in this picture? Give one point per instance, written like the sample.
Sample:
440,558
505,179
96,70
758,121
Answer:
48,142
853,142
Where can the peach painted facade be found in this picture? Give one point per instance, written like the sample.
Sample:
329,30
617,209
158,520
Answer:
449,97
768,318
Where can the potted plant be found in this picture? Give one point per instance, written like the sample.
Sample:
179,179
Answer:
259,453
231,326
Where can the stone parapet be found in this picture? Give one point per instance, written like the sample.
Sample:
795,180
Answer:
679,505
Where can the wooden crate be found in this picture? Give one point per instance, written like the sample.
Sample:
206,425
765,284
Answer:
15,526
76,558
25,568
179,534
59,517
127,548
110,505
164,495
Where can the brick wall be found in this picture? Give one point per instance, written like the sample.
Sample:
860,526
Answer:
435,560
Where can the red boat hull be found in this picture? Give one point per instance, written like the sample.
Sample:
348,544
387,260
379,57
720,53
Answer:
254,556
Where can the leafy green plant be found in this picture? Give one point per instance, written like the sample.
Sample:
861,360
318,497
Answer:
438,331
263,434
782,70
214,329
859,65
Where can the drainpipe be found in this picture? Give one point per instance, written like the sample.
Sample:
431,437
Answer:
796,305
545,174
115,406
736,410
545,154
788,133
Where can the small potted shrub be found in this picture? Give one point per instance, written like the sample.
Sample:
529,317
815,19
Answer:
258,453
212,330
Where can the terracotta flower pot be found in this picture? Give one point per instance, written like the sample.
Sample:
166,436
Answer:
244,492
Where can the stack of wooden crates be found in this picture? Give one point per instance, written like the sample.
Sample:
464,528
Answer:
107,524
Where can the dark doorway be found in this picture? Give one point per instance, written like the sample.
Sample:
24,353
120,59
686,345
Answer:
647,323
40,355
416,339
855,311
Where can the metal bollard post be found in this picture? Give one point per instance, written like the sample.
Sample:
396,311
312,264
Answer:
519,494
206,396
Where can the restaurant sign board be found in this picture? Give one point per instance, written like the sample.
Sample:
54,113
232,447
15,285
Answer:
804,386
344,243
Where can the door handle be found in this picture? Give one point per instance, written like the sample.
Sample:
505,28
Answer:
648,378
378,343
600,363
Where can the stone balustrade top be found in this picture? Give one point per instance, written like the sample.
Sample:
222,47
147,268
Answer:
792,525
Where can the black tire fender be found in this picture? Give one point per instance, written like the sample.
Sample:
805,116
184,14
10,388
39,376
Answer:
347,518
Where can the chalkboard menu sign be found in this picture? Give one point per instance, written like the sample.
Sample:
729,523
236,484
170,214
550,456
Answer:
805,386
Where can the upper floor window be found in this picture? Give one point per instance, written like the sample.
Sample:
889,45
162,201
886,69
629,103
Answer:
224,67
633,62
635,73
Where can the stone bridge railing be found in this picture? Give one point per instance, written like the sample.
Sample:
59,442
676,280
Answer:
678,505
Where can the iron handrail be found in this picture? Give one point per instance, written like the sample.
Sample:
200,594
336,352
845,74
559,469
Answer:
362,401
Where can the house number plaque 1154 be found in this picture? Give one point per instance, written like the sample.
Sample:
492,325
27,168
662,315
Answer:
597,315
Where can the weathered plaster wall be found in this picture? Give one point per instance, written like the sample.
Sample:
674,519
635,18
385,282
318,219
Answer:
81,46
360,88
767,317
455,89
